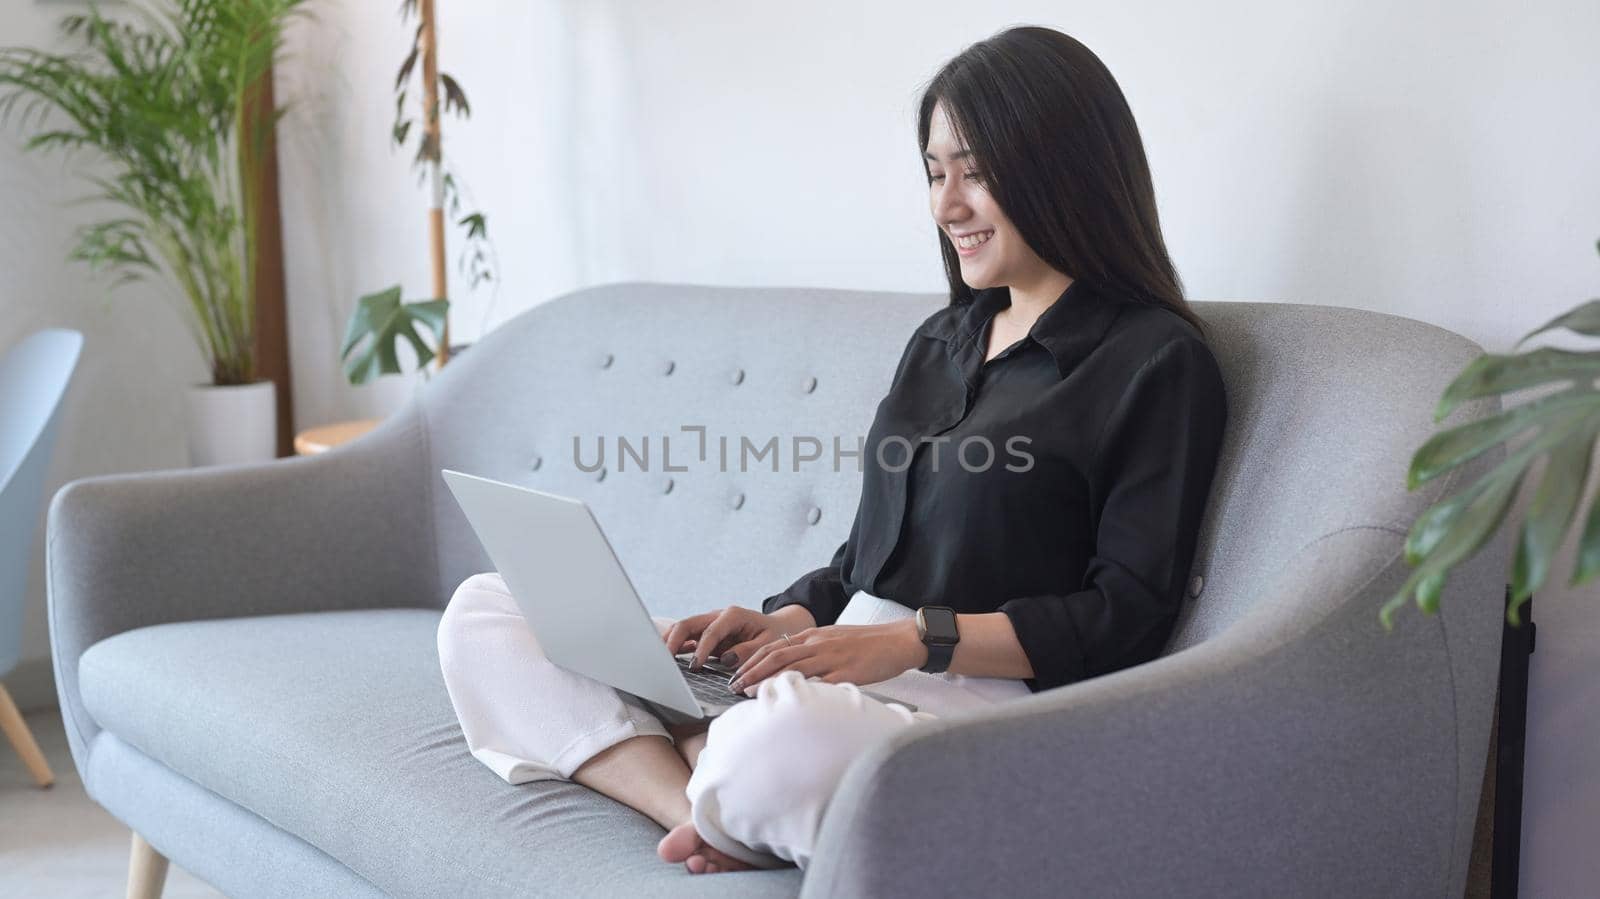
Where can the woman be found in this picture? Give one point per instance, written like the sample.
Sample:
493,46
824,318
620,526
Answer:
1035,481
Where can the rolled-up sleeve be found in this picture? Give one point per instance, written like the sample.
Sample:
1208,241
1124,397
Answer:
821,591
1151,478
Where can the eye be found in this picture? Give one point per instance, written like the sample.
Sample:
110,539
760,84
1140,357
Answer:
935,177
974,176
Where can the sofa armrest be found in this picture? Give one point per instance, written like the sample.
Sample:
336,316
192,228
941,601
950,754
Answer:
1304,751
346,529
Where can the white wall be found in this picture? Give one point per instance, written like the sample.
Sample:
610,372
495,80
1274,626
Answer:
1432,160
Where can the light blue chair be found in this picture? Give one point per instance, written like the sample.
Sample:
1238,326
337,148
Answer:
33,378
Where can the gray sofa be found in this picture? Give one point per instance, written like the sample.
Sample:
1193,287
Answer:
248,675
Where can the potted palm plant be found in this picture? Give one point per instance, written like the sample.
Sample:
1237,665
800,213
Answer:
162,97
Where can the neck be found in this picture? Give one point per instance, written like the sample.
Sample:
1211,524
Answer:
1032,297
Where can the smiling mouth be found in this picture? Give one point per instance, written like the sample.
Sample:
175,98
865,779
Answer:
973,241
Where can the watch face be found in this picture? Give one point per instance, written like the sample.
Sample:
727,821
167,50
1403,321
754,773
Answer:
939,623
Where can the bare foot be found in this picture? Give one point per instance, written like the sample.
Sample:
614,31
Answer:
683,844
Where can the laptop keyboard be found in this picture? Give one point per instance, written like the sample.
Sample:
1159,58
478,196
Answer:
710,683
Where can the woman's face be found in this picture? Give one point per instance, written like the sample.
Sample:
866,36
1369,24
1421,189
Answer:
991,250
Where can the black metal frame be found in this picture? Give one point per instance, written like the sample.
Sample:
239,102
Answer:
1516,645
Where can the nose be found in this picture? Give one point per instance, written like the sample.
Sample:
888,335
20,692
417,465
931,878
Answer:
947,204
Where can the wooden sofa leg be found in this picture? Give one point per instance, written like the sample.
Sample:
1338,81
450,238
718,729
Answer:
147,870
22,740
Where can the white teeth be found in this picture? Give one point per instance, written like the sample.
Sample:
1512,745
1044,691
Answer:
972,240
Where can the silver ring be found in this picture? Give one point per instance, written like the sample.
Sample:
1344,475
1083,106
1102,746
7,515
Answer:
786,639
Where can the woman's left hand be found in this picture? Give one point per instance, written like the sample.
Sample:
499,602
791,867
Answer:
855,653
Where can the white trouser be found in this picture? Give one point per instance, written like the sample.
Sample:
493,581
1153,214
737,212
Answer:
769,765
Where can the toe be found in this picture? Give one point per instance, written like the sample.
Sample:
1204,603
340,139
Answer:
679,843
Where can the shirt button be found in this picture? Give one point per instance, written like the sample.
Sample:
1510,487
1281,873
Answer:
814,516
535,462
1196,584
606,360
601,474
738,501
811,384
667,369
738,376
667,487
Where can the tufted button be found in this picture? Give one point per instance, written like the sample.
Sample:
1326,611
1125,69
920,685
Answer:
738,376
607,360
738,501
1196,584
667,487
535,462
811,384
667,369
601,474
815,515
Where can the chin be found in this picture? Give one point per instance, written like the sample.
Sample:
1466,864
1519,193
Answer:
979,281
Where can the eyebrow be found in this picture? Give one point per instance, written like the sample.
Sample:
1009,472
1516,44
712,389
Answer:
959,154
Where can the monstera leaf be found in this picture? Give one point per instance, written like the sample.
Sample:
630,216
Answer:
383,318
1567,422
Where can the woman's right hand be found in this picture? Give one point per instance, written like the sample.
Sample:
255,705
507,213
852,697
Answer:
734,632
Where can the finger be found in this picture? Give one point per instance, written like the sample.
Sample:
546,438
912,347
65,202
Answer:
755,658
738,652
721,626
769,664
773,646
681,630
807,664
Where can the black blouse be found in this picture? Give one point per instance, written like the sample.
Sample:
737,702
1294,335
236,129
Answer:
1063,482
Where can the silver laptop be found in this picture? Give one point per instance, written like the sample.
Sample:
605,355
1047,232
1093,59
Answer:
574,593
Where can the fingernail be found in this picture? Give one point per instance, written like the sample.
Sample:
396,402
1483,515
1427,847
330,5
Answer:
730,659
735,687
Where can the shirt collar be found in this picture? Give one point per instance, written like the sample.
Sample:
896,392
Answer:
1069,329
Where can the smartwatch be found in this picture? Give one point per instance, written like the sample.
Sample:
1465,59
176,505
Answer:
936,625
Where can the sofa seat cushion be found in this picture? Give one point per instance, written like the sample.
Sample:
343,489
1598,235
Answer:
336,727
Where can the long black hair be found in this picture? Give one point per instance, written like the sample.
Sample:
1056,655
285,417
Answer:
1057,147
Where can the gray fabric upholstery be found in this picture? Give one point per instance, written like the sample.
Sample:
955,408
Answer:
337,531
1285,745
535,383
334,727
217,840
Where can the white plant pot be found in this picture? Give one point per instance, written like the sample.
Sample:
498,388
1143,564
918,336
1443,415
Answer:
232,424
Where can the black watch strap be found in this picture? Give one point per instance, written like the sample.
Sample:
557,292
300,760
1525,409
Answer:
939,656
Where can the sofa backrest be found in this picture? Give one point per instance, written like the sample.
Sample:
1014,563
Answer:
644,361
1326,405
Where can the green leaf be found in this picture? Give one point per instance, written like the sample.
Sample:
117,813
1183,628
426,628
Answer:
1455,528
1584,320
454,96
1588,564
383,319
1448,449
1428,590
1551,512
406,67
1492,374
1467,533
476,225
